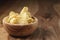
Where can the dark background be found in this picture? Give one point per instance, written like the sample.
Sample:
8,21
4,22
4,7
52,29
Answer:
47,15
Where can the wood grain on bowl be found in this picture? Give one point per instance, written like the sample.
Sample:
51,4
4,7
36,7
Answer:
18,29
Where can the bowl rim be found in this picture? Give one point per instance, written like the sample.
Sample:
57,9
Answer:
36,20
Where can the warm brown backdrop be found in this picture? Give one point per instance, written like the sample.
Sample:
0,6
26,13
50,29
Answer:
47,12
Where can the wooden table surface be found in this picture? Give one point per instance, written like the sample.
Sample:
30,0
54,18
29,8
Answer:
47,12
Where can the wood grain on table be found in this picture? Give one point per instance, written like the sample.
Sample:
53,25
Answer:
45,11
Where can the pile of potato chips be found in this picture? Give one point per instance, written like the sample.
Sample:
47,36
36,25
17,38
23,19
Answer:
23,18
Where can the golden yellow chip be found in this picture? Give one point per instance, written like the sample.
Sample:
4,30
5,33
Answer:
14,21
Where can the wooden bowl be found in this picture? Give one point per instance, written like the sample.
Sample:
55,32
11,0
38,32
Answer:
20,30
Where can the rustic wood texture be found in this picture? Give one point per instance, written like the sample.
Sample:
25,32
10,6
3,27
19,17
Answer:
47,13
